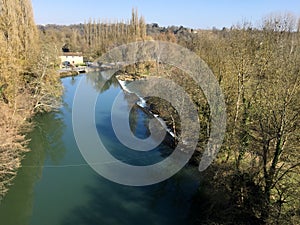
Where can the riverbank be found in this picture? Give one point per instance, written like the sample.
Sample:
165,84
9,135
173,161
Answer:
151,107
71,72
22,104
13,144
163,109
54,166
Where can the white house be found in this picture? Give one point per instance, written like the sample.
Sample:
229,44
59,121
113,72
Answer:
74,58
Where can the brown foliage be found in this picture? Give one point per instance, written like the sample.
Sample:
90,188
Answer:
24,88
12,144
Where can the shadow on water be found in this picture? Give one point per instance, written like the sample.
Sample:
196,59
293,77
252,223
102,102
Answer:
16,208
56,187
47,145
114,204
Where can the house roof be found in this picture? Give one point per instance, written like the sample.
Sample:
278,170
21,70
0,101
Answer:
71,54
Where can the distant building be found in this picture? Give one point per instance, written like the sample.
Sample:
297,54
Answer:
74,58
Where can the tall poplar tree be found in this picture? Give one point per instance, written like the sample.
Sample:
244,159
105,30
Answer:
28,82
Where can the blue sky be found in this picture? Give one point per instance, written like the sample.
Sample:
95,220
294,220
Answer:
194,14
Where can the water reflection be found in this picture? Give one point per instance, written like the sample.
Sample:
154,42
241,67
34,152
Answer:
113,204
102,81
16,208
56,187
138,121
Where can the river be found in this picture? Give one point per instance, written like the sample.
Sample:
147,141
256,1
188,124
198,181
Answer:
55,186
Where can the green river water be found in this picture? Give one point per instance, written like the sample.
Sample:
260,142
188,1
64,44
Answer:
55,186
